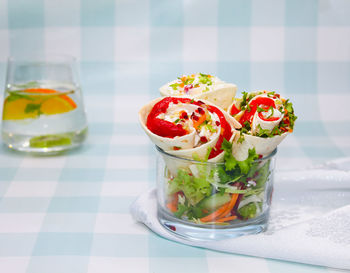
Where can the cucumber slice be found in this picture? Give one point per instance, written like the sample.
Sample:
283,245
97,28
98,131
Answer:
49,141
215,201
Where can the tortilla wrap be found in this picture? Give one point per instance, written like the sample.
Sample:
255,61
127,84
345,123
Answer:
174,165
263,146
220,93
183,142
186,142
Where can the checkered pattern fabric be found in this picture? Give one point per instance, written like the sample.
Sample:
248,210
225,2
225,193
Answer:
70,213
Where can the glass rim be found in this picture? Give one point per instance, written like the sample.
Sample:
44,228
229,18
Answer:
160,150
43,58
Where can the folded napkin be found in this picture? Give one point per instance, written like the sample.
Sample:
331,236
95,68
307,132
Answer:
309,219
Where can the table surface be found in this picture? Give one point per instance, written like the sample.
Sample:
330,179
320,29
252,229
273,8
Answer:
70,213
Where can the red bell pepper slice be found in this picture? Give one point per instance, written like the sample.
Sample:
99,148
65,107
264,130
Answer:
226,131
253,104
165,128
234,110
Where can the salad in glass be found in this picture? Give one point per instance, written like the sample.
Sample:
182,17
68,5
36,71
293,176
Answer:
215,168
207,193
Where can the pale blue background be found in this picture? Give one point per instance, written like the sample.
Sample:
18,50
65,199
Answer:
70,213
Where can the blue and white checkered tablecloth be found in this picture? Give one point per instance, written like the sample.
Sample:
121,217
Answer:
69,213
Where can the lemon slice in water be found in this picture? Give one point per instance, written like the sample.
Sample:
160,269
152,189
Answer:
31,103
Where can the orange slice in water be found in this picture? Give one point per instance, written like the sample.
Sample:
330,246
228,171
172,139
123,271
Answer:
37,102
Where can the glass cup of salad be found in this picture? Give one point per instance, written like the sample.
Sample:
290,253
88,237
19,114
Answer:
200,200
43,110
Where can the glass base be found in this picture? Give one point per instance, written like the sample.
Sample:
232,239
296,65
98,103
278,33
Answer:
196,232
45,144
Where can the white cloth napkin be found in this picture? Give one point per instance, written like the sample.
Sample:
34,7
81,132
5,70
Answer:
309,220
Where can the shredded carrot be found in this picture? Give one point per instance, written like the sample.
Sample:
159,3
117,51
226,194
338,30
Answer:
172,205
200,120
215,214
225,219
230,206
222,211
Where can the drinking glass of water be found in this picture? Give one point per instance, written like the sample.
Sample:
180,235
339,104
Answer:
43,110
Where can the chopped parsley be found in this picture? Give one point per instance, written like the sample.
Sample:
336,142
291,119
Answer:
263,132
259,109
267,133
246,126
270,94
174,85
290,113
244,100
210,128
270,108
205,79
276,131
244,130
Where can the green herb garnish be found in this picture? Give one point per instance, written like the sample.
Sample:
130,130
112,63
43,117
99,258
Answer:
244,100
210,128
290,112
204,79
32,107
270,94
270,108
174,86
259,109
231,162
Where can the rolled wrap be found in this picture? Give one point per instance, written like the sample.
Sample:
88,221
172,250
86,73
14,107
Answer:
201,86
188,128
266,119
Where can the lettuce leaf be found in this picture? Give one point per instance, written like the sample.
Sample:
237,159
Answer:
231,163
194,188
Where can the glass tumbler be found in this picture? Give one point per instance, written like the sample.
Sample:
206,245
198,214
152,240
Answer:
43,110
205,201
